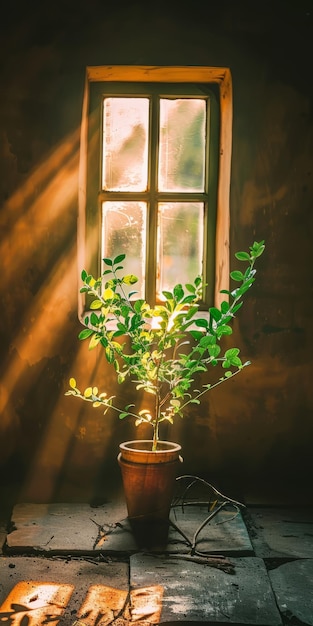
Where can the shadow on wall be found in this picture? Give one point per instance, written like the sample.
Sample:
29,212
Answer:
49,443
39,297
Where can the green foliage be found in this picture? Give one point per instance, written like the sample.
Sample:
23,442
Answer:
169,344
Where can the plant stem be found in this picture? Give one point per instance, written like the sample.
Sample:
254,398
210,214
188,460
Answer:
208,388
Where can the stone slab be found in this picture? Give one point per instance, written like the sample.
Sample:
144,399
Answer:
226,533
281,532
74,528
292,584
38,590
178,590
81,529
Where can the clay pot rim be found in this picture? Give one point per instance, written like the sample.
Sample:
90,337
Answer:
166,446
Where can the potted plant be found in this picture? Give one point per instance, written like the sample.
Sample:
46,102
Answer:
164,350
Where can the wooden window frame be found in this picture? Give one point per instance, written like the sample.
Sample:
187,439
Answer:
88,236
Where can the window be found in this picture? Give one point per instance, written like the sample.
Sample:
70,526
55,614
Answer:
154,175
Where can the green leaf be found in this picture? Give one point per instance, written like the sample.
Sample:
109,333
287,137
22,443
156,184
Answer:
135,322
117,347
118,333
108,294
236,275
224,330
188,299
241,290
237,307
168,295
84,334
191,312
201,322
88,279
130,279
125,310
94,319
196,334
225,307
119,258
122,327
206,340
236,361
96,304
108,262
138,304
190,288
214,350
215,313
178,292
242,256
94,342
231,353
257,249
247,284
109,353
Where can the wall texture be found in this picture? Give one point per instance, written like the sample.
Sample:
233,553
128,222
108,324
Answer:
252,436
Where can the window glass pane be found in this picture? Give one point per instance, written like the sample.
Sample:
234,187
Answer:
125,144
180,243
182,144
123,232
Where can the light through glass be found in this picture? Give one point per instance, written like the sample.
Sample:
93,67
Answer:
182,144
123,232
125,144
180,243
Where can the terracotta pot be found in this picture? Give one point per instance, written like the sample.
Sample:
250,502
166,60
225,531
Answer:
149,484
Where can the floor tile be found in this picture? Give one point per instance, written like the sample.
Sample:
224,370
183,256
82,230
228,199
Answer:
293,587
281,532
188,591
35,591
226,533
69,528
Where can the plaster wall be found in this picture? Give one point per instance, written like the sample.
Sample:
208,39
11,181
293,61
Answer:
252,436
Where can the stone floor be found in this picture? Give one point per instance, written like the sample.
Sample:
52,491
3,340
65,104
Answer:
68,563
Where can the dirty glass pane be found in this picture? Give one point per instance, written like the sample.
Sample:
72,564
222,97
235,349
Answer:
182,144
123,232
125,144
180,243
